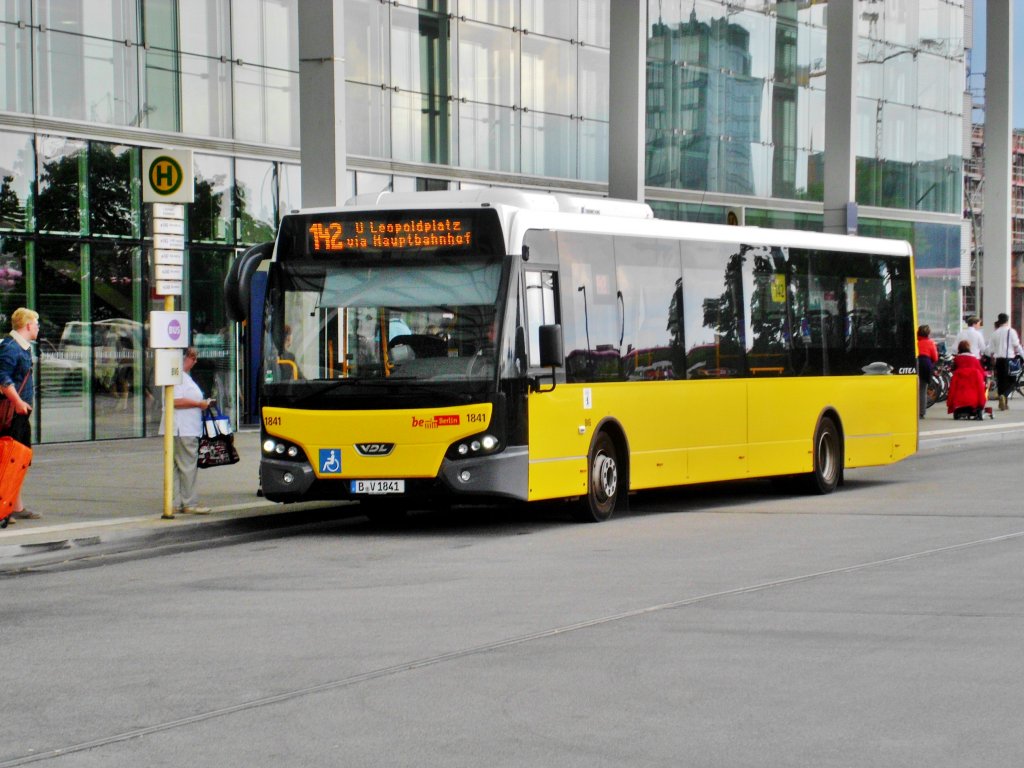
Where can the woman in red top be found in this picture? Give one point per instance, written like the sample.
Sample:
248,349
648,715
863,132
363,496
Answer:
927,357
967,389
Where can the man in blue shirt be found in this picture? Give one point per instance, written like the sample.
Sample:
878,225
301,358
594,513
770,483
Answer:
16,386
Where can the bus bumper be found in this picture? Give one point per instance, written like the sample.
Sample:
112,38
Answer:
503,475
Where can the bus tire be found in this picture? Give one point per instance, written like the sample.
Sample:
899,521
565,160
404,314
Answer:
828,458
602,482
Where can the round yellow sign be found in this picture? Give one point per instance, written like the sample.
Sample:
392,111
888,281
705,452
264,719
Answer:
165,175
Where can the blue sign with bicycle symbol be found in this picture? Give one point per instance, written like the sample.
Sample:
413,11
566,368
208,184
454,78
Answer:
330,461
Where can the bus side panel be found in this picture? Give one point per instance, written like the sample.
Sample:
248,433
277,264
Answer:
877,413
559,439
714,413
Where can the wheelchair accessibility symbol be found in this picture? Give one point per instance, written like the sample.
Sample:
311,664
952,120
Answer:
330,461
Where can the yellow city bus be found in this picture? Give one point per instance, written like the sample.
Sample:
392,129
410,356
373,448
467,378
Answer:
496,344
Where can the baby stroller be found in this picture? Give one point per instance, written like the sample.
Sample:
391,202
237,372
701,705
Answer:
968,392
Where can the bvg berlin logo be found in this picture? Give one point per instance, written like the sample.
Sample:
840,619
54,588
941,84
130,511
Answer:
165,175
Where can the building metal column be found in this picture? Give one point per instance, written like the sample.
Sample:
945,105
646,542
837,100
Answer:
322,102
840,118
627,99
996,226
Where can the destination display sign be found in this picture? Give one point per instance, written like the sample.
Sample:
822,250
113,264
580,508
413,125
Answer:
390,233
377,235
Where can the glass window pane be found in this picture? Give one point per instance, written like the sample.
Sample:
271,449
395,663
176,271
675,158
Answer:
62,167
765,282
118,341
265,32
161,108
85,78
13,270
548,75
551,19
590,307
211,331
114,203
549,145
209,217
110,19
15,10
205,96
266,105
713,311
487,137
648,276
420,128
282,100
595,26
593,83
160,23
17,171
289,184
501,12
205,26
485,64
367,136
593,155
16,74
65,344
254,200
365,41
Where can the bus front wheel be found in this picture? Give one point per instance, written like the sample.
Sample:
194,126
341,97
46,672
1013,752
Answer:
602,482
828,458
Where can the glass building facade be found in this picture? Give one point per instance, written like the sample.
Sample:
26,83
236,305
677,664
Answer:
439,94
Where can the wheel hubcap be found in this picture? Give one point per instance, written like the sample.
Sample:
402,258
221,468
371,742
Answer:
605,477
826,458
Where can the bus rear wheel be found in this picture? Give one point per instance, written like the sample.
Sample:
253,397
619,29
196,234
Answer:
828,458
602,482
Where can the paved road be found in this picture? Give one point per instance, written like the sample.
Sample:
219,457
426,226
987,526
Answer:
717,626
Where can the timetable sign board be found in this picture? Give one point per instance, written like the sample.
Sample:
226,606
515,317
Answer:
168,226
168,367
168,272
169,242
168,211
163,256
168,288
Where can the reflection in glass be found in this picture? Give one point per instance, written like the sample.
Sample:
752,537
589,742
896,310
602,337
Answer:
255,182
487,136
62,166
205,96
209,216
16,76
112,209
118,341
549,145
367,136
13,265
64,344
211,332
17,170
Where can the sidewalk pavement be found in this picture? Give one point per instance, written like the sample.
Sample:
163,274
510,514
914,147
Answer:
94,493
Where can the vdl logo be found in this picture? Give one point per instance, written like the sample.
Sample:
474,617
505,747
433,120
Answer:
165,175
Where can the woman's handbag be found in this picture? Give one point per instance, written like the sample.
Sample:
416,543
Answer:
216,449
7,407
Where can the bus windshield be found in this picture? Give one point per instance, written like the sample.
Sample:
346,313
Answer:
381,320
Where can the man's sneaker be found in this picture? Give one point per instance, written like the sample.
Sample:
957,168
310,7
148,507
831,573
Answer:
195,510
26,515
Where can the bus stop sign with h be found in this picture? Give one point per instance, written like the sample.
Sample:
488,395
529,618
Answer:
168,183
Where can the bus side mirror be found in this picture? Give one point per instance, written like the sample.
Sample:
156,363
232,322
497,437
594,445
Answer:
550,354
550,346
